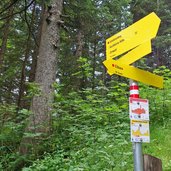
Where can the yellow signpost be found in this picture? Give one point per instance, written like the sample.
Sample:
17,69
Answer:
139,32
136,53
133,42
124,70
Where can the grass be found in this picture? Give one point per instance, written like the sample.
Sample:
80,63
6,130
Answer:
160,145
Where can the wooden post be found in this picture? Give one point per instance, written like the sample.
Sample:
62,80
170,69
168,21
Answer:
152,163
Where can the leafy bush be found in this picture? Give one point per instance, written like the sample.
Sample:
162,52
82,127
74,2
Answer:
89,134
11,130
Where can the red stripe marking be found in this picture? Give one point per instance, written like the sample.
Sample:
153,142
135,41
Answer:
134,95
134,87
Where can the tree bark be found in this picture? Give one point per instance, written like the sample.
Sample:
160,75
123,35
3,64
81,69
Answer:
78,83
94,65
37,43
159,56
39,121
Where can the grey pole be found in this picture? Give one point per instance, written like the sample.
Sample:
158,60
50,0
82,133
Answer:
138,157
137,149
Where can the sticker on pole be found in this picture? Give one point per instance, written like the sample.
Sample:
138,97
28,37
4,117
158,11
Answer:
138,109
140,131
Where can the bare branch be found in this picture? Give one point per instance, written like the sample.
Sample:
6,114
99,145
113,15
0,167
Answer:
18,12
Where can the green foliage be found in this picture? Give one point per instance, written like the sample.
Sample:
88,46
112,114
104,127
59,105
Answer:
84,68
159,99
163,71
33,90
91,129
160,144
90,133
12,123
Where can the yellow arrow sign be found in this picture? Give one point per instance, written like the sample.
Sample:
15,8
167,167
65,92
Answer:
136,53
116,67
143,30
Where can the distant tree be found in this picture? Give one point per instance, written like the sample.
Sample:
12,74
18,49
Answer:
86,27
15,46
79,20
161,44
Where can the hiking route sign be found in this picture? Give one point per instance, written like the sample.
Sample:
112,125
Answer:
139,115
140,131
138,109
130,45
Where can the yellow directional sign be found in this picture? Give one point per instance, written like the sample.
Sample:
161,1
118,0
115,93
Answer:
136,53
119,68
133,43
139,32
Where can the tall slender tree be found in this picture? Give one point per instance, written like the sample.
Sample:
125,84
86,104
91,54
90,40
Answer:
28,48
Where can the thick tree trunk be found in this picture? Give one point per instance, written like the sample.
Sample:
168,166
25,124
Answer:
39,121
46,65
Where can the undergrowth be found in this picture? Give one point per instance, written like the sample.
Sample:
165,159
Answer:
91,131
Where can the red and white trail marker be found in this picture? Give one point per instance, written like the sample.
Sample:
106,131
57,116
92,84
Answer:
134,90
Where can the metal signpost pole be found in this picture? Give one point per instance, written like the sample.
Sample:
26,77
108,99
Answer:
138,157
137,146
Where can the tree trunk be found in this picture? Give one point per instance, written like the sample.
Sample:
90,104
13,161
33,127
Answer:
77,81
152,163
159,57
94,65
36,50
39,121
20,102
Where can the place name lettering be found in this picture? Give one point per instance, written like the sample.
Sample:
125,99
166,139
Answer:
117,43
117,66
114,39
